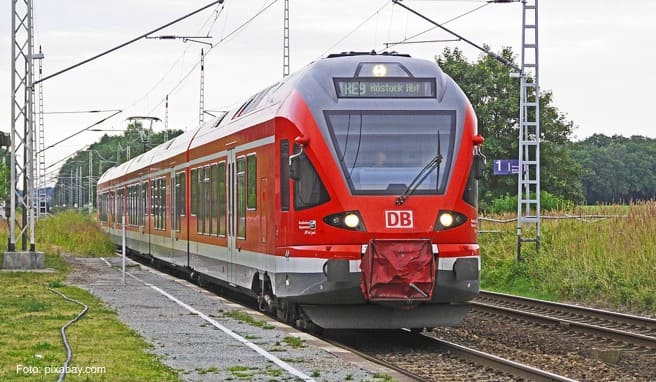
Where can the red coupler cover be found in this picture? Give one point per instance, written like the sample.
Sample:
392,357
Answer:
394,270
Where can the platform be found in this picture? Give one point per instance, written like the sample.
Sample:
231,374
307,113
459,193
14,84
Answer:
193,331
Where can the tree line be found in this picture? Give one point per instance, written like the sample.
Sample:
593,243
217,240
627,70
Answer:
109,151
616,169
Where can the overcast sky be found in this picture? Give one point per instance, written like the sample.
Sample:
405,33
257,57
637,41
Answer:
596,56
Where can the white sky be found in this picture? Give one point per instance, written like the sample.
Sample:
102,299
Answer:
596,56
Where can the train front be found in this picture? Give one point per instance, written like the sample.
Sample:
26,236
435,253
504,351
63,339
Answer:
383,163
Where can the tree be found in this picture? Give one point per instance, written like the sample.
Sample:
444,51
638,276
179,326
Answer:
495,98
617,169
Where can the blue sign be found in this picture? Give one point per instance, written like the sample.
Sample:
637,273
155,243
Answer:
506,167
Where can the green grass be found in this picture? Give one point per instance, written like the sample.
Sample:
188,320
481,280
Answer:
243,372
609,262
294,342
383,377
32,316
208,370
245,317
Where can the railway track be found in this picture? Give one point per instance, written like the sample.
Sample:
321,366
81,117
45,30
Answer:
577,342
422,357
624,328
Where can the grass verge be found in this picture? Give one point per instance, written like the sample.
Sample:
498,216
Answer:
104,349
607,262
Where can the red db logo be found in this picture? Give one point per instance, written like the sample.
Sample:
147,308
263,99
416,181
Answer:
398,219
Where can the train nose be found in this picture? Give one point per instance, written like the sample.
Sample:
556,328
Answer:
398,270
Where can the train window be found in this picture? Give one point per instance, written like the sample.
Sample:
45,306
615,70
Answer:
112,206
470,195
158,196
251,181
378,157
162,204
154,195
103,207
241,197
143,204
131,219
194,191
120,204
214,203
309,190
154,203
204,206
222,198
284,175
135,205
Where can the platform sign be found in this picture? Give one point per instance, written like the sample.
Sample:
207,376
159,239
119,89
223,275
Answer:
506,167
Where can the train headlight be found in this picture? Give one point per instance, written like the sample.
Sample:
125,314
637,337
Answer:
446,219
379,70
449,219
350,220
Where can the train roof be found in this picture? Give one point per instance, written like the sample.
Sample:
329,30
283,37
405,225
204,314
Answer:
268,101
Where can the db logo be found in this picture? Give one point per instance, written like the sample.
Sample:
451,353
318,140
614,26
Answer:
398,219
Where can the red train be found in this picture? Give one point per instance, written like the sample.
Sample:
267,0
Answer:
343,196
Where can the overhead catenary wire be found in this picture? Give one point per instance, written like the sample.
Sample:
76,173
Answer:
69,352
81,131
180,57
483,49
127,42
224,39
354,29
114,49
406,40
229,36
81,111
391,44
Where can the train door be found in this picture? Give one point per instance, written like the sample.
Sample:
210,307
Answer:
231,211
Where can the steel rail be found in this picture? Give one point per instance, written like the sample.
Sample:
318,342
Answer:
597,330
498,364
370,358
501,364
629,319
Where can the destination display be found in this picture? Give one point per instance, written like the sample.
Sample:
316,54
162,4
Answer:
385,87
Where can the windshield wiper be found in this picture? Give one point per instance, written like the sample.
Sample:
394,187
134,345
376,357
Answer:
412,187
419,178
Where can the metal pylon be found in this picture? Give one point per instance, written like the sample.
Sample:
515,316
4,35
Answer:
22,125
528,189
285,42
166,119
41,197
201,106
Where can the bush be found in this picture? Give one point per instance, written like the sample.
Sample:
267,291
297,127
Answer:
73,232
548,202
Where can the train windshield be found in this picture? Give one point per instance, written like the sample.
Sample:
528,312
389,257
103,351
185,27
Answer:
381,152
